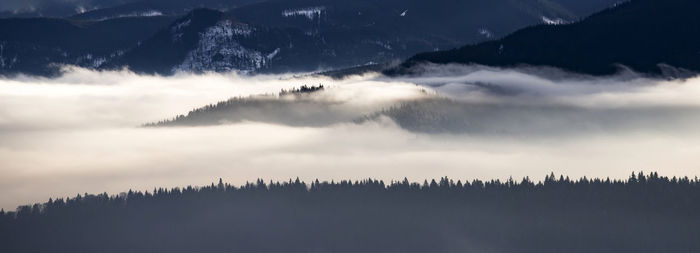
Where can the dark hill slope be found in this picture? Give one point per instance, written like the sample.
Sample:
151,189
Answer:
162,7
33,45
640,34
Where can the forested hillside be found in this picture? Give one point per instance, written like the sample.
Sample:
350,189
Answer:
645,213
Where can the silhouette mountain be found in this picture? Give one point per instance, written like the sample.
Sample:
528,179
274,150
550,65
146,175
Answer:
644,35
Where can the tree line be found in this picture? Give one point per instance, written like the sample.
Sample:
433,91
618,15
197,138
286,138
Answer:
241,108
644,213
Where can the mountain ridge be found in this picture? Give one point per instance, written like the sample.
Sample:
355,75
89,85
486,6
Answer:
643,35
284,36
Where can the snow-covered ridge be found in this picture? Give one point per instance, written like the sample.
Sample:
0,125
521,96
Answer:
147,13
309,12
219,50
554,21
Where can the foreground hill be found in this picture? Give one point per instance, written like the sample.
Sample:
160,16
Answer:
642,214
643,35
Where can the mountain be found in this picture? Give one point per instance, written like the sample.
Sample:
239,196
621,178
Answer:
103,9
644,35
311,35
160,7
53,8
208,40
164,37
35,45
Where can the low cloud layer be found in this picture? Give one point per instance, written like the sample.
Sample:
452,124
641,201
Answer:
81,132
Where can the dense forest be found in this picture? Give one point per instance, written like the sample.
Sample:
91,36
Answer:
294,107
645,213
436,115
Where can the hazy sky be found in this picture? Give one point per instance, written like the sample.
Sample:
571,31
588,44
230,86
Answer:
11,5
80,133
47,5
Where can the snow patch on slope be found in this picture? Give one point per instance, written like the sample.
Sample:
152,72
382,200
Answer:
176,29
80,9
309,12
554,21
181,25
486,33
219,50
90,61
147,13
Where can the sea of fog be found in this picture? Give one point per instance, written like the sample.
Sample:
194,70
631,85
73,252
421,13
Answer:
82,132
